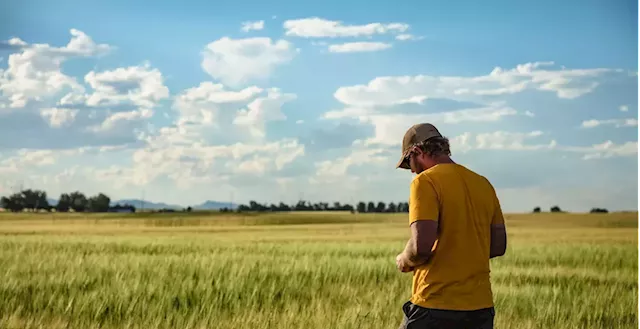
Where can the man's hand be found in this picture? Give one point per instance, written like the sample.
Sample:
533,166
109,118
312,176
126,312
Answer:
402,265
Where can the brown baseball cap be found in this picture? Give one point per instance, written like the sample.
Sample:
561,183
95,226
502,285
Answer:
416,134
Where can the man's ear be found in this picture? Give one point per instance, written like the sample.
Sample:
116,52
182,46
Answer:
416,150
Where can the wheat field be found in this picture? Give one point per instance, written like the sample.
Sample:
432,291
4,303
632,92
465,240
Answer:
304,270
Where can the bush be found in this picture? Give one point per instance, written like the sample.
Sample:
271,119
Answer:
599,211
536,209
555,209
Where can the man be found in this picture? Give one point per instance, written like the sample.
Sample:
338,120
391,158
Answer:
456,227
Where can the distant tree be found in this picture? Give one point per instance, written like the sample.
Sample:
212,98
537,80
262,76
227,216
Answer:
35,199
380,207
371,207
555,209
121,207
599,211
189,209
13,203
78,201
64,203
99,203
283,207
403,207
362,207
392,207
536,210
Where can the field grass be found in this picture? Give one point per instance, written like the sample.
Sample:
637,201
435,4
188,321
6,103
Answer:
295,271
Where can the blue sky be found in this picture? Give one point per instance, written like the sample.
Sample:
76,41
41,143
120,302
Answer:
179,102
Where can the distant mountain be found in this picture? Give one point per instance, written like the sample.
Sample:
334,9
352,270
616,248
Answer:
214,205
207,205
139,204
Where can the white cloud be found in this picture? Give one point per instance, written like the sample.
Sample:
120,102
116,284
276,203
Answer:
315,27
390,127
499,140
120,120
607,149
263,109
335,170
238,61
529,114
406,37
252,26
108,110
139,85
194,164
614,122
59,117
355,47
392,90
214,106
624,108
35,72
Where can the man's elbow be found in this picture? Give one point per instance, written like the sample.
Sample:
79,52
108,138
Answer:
422,251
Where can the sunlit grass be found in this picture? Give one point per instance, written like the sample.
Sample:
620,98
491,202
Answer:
334,271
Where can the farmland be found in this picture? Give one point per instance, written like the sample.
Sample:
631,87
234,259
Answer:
304,270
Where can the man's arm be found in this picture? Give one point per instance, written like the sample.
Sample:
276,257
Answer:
424,208
418,249
498,240
498,245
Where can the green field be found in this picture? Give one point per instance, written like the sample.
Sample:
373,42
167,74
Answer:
310,270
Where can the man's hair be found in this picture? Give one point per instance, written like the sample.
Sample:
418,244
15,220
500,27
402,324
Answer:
435,146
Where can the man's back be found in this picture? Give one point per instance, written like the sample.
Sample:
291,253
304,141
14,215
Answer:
465,205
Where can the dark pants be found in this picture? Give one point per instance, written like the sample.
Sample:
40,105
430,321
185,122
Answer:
416,317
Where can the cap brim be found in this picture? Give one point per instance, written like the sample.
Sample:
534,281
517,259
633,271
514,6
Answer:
403,164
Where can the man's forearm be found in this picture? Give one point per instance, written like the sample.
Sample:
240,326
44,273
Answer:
411,256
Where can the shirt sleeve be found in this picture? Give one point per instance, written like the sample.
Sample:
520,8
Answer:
498,217
423,201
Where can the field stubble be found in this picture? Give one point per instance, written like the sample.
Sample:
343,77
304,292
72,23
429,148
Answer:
295,271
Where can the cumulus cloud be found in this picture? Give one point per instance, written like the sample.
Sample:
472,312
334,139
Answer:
624,108
139,85
35,72
356,47
406,37
500,140
315,27
565,83
237,61
252,26
97,131
262,110
605,150
631,122
49,109
390,127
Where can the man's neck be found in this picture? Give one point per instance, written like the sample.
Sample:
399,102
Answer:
443,159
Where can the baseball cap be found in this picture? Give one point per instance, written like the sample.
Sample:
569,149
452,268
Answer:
416,134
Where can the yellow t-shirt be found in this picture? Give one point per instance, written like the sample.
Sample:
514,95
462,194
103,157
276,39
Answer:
465,204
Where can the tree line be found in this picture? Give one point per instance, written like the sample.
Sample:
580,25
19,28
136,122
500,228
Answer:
36,200
302,205
558,210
